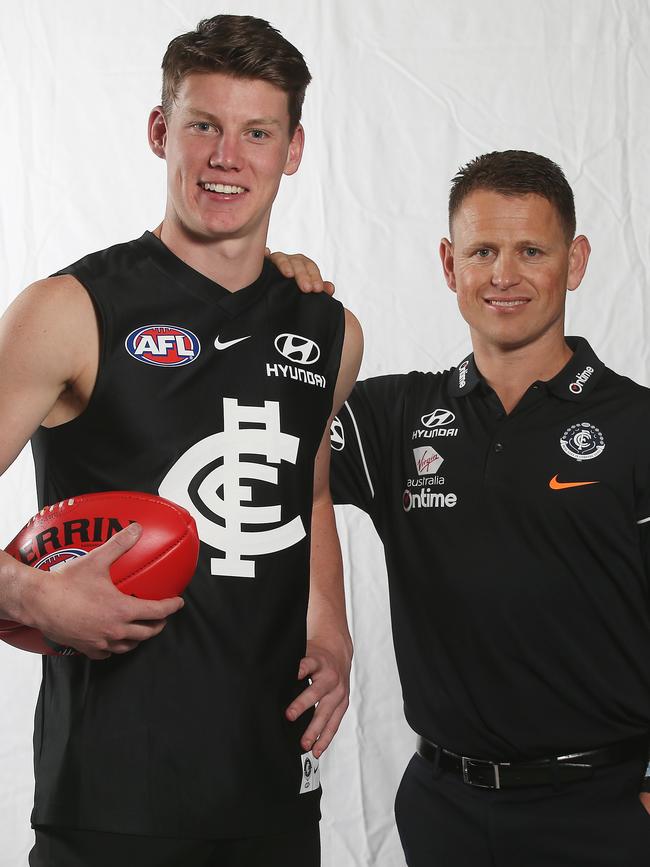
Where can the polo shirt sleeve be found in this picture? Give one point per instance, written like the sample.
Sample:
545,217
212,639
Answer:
644,532
643,523
360,440
642,496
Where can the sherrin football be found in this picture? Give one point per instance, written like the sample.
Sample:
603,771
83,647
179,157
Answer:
159,565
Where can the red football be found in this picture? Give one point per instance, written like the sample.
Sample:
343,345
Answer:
159,565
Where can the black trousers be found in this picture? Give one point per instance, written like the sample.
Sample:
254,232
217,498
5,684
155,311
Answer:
63,847
598,822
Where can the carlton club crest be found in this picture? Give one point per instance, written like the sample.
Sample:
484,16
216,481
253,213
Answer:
582,441
214,469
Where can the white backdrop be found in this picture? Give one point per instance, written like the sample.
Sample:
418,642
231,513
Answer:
403,93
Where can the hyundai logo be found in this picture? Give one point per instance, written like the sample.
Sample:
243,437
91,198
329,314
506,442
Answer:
337,435
438,418
296,348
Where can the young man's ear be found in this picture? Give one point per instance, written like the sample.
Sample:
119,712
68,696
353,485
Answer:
157,131
447,259
296,146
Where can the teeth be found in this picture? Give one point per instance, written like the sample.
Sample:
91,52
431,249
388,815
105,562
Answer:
229,189
507,303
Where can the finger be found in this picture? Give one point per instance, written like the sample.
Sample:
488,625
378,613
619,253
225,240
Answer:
123,646
308,697
329,287
321,730
143,630
283,263
132,635
152,609
93,654
313,272
117,545
306,274
308,666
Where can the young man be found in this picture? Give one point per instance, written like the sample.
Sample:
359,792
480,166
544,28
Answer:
512,495
205,376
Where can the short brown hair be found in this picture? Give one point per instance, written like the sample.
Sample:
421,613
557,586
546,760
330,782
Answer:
516,173
241,46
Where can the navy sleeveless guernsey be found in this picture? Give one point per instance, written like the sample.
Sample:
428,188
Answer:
218,401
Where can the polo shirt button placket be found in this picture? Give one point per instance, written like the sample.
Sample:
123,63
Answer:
498,447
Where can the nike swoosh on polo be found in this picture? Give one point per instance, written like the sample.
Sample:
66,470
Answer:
228,343
554,485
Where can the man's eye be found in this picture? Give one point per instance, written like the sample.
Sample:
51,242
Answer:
483,253
258,134
202,125
532,251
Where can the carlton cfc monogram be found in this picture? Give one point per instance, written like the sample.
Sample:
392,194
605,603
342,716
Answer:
230,507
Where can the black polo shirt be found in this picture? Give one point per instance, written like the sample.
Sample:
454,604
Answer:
516,548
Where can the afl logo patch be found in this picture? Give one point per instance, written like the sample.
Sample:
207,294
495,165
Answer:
296,348
582,441
59,558
163,345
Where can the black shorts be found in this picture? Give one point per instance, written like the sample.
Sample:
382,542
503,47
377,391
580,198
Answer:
64,847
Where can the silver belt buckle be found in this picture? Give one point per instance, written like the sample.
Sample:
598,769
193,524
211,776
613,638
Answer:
465,769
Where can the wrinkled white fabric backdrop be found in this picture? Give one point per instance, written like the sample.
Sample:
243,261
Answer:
403,93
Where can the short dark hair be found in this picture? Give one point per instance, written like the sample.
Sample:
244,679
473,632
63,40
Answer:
516,173
241,46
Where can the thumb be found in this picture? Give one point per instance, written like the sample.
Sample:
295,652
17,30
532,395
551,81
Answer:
307,667
117,545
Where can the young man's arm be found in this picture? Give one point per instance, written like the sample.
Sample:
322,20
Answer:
329,647
49,349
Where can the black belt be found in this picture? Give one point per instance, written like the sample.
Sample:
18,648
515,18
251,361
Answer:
555,771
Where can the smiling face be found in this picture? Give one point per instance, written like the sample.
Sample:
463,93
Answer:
510,264
227,144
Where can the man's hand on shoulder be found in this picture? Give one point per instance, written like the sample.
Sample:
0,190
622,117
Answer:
304,271
78,606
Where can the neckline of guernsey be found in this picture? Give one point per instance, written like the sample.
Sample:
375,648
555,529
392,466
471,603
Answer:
198,284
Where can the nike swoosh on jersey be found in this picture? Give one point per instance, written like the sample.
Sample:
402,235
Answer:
554,485
228,343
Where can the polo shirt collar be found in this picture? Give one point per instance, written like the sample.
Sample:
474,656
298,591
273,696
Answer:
574,382
579,376
465,377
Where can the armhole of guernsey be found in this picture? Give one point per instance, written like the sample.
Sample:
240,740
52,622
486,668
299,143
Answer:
105,336
334,362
